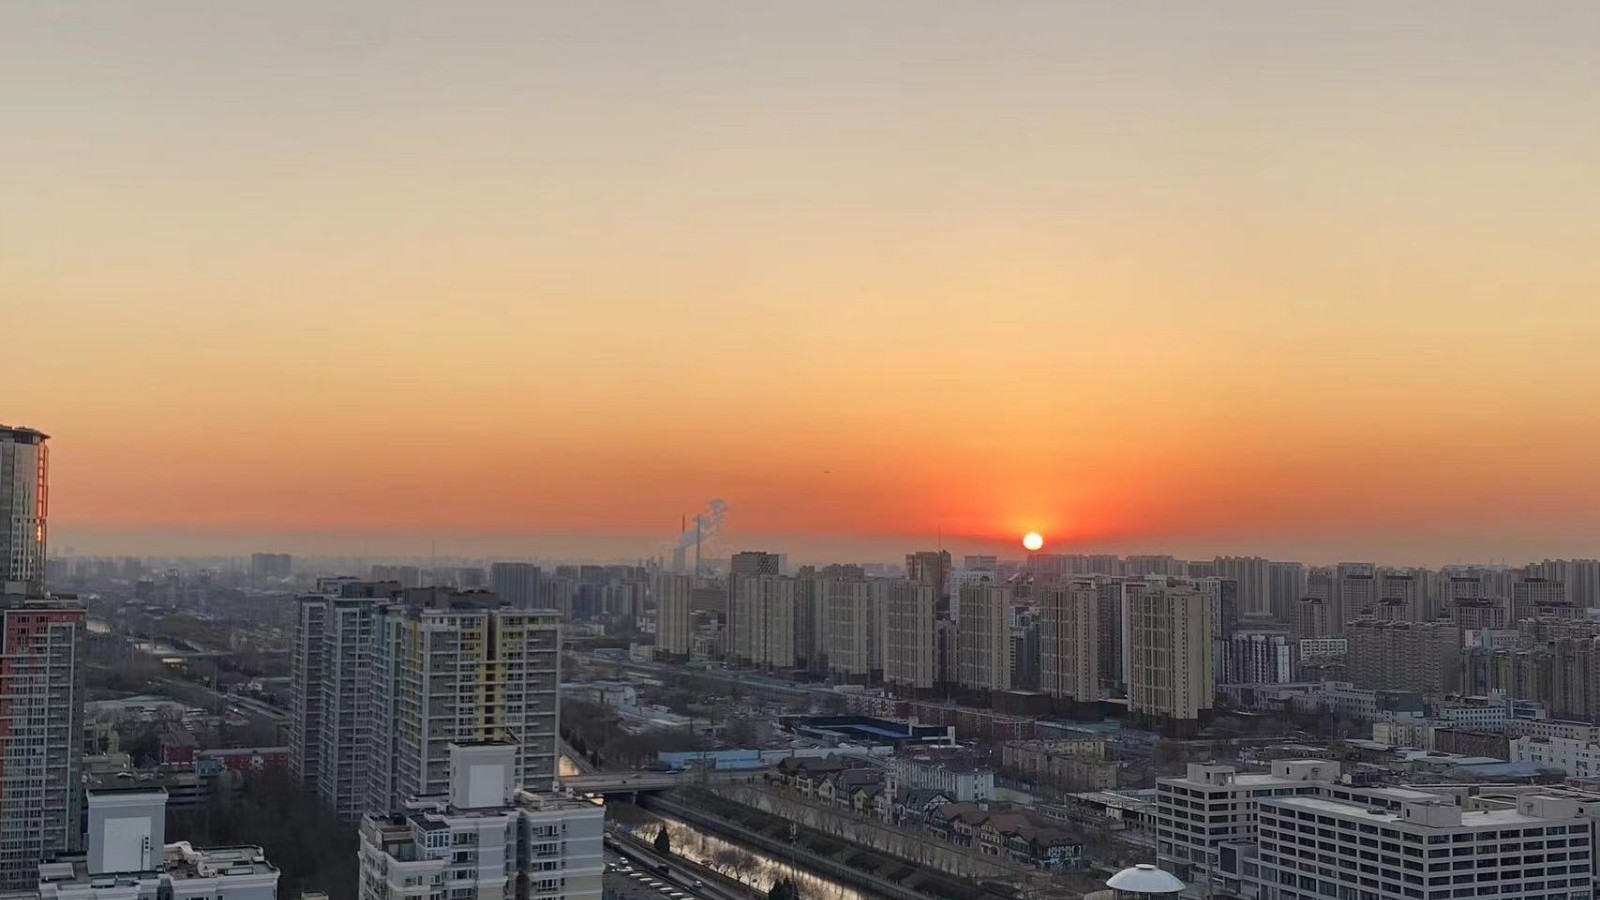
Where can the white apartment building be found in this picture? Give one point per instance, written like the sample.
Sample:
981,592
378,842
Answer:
1171,674
1258,657
1476,714
1406,731
957,777
852,629
484,840
983,637
1577,758
1069,640
1213,805
1321,648
674,600
346,704
1582,732
451,668
1315,847
910,613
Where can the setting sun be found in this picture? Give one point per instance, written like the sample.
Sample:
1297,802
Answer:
1033,540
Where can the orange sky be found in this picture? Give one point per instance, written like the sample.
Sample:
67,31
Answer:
1309,281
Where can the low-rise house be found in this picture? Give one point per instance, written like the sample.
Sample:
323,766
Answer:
1047,848
912,808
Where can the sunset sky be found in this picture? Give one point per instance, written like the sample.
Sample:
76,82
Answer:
1313,280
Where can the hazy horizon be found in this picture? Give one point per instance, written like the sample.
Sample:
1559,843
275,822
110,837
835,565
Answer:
1306,280
801,549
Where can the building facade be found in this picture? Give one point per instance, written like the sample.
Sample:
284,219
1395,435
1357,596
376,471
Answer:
517,583
910,613
1415,656
41,734
1171,676
674,601
983,637
461,668
24,506
1259,657
852,631
484,839
1070,639
1254,578
764,621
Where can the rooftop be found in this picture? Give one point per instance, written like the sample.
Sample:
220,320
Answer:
179,861
1469,818
16,434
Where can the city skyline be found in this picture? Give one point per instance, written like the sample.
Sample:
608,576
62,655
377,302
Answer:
1303,281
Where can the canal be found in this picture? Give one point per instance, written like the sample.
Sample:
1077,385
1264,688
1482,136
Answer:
754,868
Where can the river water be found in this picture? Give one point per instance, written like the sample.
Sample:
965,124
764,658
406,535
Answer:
737,861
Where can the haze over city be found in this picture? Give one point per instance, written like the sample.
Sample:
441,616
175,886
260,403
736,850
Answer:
1314,281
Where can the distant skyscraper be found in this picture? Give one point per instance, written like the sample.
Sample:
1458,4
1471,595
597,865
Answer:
271,565
983,637
24,504
517,583
1171,673
405,576
1582,578
1259,657
745,565
674,599
851,630
910,611
987,564
1405,656
810,622
1313,619
1355,592
755,562
1399,598
763,614
1142,566
1533,598
931,567
1253,575
1286,587
1070,639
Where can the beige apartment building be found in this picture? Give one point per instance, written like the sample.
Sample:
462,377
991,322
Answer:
1171,678
1069,640
983,637
910,613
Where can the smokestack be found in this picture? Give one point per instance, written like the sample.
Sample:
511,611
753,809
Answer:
706,527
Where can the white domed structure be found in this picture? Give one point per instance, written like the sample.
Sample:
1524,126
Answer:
1144,880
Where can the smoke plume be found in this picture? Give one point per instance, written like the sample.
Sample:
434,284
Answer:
710,523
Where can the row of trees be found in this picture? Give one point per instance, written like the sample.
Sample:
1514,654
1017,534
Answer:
733,863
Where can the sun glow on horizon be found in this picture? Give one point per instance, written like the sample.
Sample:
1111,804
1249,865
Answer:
1033,540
